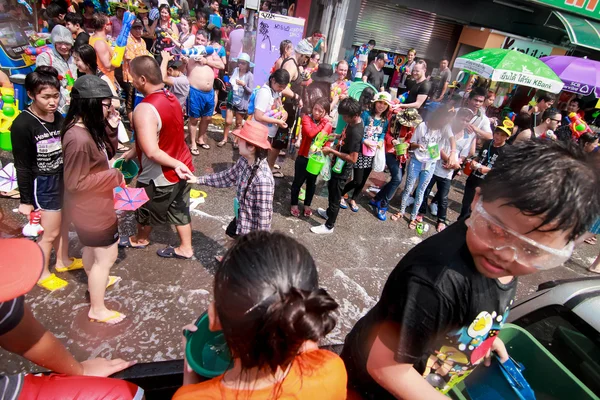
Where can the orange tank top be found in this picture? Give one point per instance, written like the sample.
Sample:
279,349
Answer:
109,74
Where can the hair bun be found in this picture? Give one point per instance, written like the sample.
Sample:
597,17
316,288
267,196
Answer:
47,70
307,315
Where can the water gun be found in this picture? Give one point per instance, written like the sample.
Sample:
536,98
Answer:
198,51
26,5
320,140
338,90
69,78
121,43
578,126
36,51
33,229
511,115
9,110
396,103
275,113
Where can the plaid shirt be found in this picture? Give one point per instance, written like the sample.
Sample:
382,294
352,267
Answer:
256,204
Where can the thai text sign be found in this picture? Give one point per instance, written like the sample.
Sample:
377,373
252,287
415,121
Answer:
586,8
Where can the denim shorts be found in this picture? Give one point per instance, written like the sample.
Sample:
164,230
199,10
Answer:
48,192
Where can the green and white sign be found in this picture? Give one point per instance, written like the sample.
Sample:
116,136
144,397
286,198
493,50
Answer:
586,8
511,66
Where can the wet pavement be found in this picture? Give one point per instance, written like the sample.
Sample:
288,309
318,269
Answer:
160,296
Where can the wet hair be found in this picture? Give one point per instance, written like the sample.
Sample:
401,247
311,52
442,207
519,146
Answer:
372,42
283,46
216,35
544,96
147,67
365,98
74,18
553,180
324,103
43,77
587,138
268,300
350,107
478,91
99,21
373,111
91,114
88,56
381,56
576,100
523,121
164,7
423,63
203,33
549,113
281,76
54,10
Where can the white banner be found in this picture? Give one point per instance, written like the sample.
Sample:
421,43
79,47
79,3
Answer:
533,49
519,78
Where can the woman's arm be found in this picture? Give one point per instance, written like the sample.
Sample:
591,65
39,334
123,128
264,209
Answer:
223,179
24,155
250,86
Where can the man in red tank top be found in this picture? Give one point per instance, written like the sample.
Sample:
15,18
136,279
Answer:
160,148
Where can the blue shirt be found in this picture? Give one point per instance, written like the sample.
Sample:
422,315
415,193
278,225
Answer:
375,129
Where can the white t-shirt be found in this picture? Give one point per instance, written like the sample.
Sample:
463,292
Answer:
426,137
265,98
481,121
463,145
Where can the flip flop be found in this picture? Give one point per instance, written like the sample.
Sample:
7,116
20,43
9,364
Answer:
204,146
592,240
195,152
222,143
396,217
278,174
354,208
295,212
52,283
169,252
593,271
107,320
276,166
308,212
125,242
413,225
13,194
343,204
76,263
112,280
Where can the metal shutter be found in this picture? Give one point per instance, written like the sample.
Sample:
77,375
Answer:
397,29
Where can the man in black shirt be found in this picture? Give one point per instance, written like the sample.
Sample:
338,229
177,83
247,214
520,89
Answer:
344,159
445,302
374,72
419,88
74,24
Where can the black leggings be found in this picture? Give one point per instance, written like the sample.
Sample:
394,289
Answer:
358,182
301,175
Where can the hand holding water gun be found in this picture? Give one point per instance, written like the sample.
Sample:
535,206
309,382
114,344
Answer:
33,229
578,126
397,103
320,140
128,19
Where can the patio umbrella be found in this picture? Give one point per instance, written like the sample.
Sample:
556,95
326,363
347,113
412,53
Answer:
8,178
129,199
511,66
580,75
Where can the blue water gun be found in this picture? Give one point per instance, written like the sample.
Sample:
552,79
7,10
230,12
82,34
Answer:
117,59
198,51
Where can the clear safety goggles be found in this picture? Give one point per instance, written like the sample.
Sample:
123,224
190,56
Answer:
524,250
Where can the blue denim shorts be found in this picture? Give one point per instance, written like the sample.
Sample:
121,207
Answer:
48,192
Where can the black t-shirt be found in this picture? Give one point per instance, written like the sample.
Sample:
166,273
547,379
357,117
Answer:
488,155
415,89
11,314
374,77
351,142
436,310
37,150
82,38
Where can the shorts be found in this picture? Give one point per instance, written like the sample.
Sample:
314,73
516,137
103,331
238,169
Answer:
231,230
129,96
236,109
58,386
200,104
167,205
595,229
98,238
282,137
48,192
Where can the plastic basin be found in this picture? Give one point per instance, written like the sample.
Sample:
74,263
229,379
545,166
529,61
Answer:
368,151
129,169
206,351
315,164
5,142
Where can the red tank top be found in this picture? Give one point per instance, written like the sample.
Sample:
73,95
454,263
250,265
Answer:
171,139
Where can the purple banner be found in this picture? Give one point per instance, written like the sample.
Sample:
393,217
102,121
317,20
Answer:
272,29
579,88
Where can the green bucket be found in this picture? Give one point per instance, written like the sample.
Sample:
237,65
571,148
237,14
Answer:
5,143
315,164
401,149
129,169
206,351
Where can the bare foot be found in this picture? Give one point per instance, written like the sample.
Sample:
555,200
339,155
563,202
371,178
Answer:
137,243
106,316
185,253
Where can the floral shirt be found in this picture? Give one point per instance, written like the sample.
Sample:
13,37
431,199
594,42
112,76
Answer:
364,49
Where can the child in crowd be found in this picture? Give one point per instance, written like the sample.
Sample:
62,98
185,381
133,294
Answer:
444,304
268,98
490,152
37,150
425,153
253,204
242,85
273,314
20,333
312,125
445,168
173,77
375,123
345,156
402,127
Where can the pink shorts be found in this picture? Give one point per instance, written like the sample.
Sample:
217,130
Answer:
59,387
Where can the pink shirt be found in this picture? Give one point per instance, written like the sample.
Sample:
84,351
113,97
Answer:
116,26
236,40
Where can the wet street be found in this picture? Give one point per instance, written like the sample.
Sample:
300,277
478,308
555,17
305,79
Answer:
160,296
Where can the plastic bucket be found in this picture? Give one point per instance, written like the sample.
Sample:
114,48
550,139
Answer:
401,149
5,142
366,150
207,351
129,169
315,164
223,111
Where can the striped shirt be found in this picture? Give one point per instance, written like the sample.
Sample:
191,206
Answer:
11,314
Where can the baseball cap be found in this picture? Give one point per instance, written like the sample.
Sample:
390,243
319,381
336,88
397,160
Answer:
21,265
174,64
137,23
91,87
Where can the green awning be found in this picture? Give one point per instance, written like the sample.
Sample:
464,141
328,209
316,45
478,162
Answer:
581,31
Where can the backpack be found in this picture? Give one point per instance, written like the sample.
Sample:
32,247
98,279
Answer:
252,100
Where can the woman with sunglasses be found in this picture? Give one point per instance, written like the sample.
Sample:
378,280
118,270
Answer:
89,141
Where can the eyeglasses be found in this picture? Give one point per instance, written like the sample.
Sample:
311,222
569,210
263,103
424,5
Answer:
525,251
107,105
556,120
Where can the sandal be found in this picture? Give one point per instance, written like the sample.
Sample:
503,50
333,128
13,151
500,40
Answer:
295,212
52,283
276,166
76,263
419,218
108,320
354,207
592,240
413,225
222,143
125,242
122,148
195,152
343,204
112,280
13,194
278,174
396,217
204,146
308,212
169,252
440,226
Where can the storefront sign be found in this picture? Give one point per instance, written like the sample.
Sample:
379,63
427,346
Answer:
537,50
272,29
586,8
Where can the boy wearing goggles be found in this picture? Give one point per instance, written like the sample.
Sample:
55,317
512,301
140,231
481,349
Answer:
445,302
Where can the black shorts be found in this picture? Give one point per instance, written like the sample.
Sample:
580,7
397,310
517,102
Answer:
282,138
48,192
167,205
98,238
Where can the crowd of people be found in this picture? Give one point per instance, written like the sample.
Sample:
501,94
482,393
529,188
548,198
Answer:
532,194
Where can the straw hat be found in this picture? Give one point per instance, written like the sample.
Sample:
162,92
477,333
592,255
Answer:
409,117
254,133
384,97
